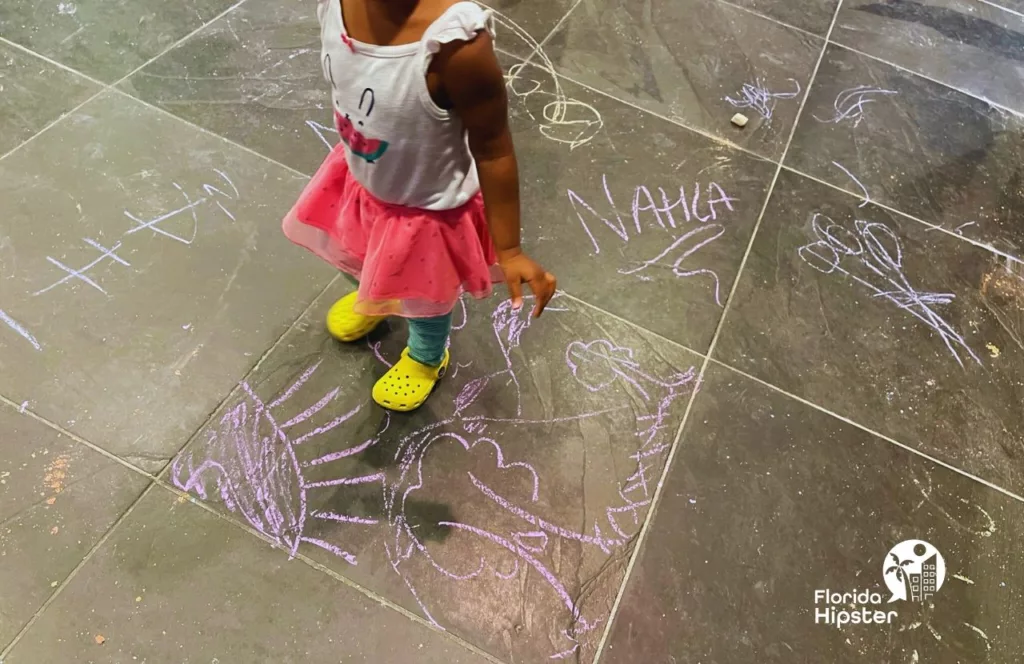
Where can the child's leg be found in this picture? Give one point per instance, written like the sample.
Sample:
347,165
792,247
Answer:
413,377
428,338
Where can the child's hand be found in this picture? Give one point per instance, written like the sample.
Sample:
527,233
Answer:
519,268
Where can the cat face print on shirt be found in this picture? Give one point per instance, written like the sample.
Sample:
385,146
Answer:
350,125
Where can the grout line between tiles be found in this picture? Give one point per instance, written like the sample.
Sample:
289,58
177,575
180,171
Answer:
966,93
770,19
675,121
866,429
906,215
248,374
1000,7
652,511
50,61
558,26
112,86
631,324
380,599
208,132
64,584
76,438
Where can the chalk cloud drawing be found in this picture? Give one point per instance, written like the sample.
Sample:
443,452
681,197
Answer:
757,96
688,234
253,464
870,254
849,104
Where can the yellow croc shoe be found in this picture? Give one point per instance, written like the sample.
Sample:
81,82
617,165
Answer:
408,384
344,324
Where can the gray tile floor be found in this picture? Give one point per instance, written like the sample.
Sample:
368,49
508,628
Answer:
781,351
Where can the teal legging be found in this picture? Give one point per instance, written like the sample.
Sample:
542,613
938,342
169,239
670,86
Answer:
428,337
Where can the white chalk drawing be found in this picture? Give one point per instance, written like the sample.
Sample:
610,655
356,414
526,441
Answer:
20,330
863,189
565,120
213,195
849,104
873,250
757,96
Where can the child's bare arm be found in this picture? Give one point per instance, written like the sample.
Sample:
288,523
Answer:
475,85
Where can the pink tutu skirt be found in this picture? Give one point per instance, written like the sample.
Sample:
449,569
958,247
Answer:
409,262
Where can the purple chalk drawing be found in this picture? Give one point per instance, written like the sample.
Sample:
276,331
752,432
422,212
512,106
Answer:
757,96
688,234
849,104
255,466
251,460
873,257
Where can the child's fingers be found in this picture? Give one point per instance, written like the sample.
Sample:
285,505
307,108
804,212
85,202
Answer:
543,290
515,292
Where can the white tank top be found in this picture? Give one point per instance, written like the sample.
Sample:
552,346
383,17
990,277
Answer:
402,147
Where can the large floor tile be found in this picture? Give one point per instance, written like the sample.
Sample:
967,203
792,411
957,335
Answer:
35,93
145,272
970,45
522,25
770,501
941,155
628,209
912,332
253,76
57,499
504,510
811,15
178,584
103,38
700,72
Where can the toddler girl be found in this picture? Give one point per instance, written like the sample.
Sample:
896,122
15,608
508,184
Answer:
420,200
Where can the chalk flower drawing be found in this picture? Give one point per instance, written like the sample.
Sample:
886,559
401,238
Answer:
757,96
254,465
849,104
873,249
688,234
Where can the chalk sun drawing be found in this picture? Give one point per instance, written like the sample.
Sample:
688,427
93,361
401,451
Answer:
688,235
875,250
849,104
757,96
255,466
252,461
